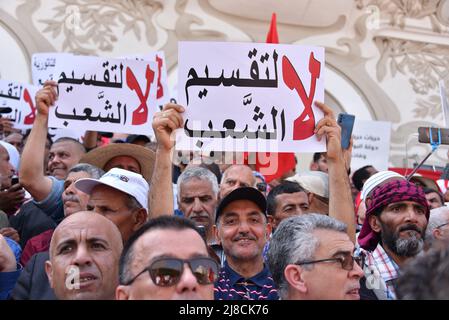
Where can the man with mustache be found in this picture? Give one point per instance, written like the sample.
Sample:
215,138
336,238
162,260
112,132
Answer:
311,258
73,201
242,228
197,198
393,232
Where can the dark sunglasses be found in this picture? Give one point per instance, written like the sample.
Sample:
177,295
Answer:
166,272
346,261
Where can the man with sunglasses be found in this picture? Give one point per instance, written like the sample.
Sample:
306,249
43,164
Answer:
393,232
166,259
311,258
242,228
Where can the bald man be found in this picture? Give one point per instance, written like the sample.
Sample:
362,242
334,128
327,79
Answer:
236,176
84,255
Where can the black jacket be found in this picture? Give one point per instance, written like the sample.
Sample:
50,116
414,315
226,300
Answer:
33,282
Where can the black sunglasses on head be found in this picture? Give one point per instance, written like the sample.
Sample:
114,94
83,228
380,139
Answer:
166,272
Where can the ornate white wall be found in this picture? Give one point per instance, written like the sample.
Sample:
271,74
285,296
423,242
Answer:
384,58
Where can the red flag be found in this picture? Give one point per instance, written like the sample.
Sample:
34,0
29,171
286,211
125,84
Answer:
275,164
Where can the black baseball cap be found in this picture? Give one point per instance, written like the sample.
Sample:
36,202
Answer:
135,137
245,193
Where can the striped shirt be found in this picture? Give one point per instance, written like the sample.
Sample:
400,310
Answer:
381,272
232,286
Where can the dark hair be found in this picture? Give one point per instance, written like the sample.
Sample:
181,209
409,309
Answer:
428,190
164,223
283,187
360,176
69,139
317,156
49,138
426,277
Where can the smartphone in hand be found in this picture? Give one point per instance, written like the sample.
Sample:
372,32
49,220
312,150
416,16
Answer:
14,180
346,122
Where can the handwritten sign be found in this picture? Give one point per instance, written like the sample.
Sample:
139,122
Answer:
371,144
100,94
249,97
17,103
162,94
43,66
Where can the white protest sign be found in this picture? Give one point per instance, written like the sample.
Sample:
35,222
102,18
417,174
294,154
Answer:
101,94
444,104
163,93
56,133
249,97
371,144
43,66
17,103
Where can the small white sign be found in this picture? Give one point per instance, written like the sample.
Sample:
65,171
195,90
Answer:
371,144
43,66
17,103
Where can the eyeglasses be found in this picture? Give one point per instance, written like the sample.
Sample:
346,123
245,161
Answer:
346,261
442,225
166,272
262,187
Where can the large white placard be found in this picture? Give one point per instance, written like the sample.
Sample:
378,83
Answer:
102,94
249,97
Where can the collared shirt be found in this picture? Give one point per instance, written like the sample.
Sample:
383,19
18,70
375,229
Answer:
232,286
381,272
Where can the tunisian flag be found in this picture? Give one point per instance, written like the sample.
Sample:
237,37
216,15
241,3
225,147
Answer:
274,165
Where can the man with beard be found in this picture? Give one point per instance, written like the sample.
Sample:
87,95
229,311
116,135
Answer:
393,232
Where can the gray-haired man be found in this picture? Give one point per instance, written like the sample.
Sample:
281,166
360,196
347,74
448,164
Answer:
197,198
437,231
311,258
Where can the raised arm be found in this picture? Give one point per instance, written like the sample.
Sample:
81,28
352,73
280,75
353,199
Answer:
341,206
31,173
161,191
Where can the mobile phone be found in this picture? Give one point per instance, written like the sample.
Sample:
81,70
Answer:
424,135
445,174
14,180
202,231
346,122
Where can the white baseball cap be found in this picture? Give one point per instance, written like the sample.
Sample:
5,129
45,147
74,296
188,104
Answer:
316,182
123,180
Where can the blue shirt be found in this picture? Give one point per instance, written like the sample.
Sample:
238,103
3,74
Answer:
52,205
232,286
8,279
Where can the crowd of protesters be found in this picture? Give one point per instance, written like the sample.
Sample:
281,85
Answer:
111,218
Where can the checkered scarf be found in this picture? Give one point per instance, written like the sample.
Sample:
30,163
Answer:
391,192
